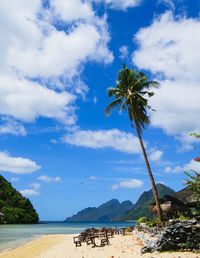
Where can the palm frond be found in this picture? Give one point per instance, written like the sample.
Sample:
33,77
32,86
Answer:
115,103
132,90
111,92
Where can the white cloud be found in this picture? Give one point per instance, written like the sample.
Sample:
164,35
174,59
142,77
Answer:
49,179
132,183
93,178
31,47
73,10
120,4
12,127
26,100
192,165
155,155
115,139
35,186
187,142
79,46
33,191
29,192
54,141
169,48
169,3
124,52
177,106
176,169
16,165
173,45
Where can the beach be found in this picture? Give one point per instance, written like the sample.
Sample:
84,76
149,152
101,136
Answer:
62,246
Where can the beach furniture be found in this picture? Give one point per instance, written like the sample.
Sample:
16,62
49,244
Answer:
105,241
77,241
91,234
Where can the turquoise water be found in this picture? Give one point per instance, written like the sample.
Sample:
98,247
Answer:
16,235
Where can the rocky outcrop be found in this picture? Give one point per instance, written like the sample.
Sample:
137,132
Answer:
178,235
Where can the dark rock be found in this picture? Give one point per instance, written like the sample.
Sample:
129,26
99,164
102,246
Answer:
177,235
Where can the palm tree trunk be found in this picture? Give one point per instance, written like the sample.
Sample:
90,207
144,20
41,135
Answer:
155,192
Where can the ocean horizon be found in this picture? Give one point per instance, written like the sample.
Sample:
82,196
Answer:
14,235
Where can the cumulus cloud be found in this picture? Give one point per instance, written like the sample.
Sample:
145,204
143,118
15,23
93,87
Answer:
40,63
27,100
33,191
73,10
174,170
169,48
12,127
49,179
115,139
192,165
155,155
177,113
128,184
120,4
29,192
17,165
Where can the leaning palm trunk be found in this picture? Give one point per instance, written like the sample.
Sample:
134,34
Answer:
155,192
132,91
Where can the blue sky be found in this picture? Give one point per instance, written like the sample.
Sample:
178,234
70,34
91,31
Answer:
57,60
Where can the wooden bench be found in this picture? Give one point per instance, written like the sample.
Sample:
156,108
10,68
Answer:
90,240
105,241
77,241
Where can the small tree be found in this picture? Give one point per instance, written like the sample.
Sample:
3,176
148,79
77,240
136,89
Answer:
194,177
194,184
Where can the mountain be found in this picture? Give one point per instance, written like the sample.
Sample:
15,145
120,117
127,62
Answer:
109,211
186,195
113,210
14,208
141,207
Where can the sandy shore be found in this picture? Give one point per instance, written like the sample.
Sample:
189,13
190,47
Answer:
61,246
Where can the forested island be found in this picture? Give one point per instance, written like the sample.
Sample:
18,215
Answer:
14,208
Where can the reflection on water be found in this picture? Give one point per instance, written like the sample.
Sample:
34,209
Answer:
15,235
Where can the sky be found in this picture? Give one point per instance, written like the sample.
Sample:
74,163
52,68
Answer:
58,57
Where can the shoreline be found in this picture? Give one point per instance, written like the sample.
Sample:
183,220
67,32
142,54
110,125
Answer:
21,243
62,246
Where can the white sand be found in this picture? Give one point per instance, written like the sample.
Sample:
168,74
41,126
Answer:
62,246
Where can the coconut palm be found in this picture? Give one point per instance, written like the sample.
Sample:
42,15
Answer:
131,92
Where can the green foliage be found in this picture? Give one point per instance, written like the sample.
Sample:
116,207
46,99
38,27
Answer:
187,245
153,222
149,222
142,220
182,217
193,180
197,134
14,206
194,184
132,91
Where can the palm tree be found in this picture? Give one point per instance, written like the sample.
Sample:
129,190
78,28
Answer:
132,91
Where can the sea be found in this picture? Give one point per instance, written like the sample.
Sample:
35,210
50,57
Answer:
12,236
